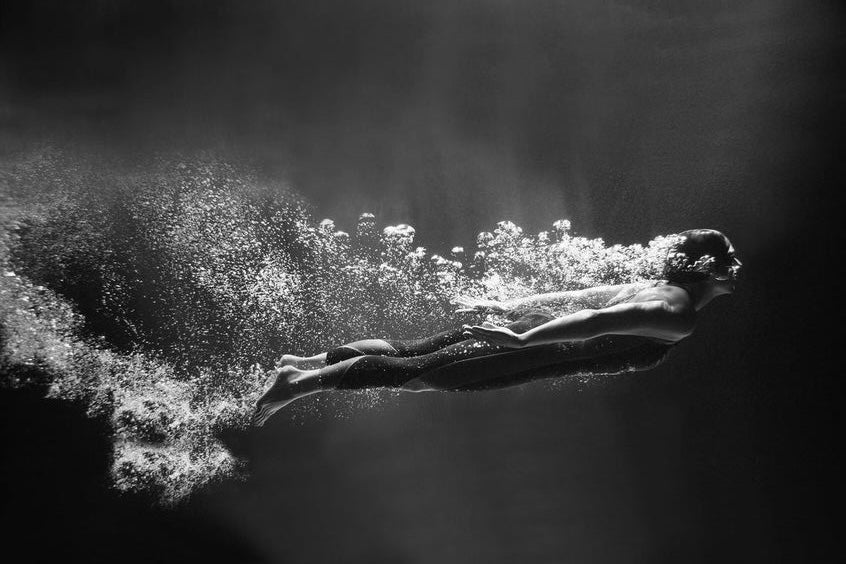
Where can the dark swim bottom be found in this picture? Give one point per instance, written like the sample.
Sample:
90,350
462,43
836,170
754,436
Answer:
450,361
426,345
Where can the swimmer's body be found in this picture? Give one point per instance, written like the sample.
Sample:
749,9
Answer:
622,327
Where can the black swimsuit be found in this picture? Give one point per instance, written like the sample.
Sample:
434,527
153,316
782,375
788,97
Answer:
450,361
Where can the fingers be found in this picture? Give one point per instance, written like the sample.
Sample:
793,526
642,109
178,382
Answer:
487,331
469,310
477,309
258,417
485,326
466,305
493,334
470,304
477,305
468,331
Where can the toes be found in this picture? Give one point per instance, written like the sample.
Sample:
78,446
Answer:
260,415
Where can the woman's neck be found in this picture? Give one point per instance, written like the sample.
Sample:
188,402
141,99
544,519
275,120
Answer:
701,293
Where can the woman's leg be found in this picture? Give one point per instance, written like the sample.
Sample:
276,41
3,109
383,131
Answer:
425,345
292,383
396,363
382,371
479,360
343,352
383,347
301,361
466,366
394,347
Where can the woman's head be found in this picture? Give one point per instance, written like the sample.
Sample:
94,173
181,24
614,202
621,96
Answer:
700,255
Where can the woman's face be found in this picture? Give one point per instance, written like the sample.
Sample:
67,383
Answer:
726,277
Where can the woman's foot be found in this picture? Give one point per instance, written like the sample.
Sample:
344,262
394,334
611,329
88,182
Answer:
290,384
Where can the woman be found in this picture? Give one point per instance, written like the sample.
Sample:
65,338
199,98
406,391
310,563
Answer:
622,328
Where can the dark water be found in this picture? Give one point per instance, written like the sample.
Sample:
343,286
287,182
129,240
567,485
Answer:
630,119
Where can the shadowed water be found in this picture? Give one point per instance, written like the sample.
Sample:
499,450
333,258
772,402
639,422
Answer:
160,294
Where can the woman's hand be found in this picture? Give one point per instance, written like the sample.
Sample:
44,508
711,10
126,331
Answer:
495,335
478,305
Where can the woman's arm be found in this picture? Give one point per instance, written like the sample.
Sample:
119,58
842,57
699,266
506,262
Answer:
587,298
656,319
594,297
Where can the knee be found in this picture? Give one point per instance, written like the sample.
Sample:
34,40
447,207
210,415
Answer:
375,347
339,354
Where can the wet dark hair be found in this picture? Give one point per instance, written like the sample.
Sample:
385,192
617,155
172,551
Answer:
697,255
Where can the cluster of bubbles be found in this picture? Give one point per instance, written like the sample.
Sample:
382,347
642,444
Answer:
158,296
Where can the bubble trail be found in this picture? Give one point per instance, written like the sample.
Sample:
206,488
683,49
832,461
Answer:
155,295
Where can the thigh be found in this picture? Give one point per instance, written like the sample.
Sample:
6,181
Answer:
426,345
468,349
467,366
573,362
444,339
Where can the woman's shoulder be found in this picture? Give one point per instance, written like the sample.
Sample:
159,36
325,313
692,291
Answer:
675,296
678,300
621,293
679,314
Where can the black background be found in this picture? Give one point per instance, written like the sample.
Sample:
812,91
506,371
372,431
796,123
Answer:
632,119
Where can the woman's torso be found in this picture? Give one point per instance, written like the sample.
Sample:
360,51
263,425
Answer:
611,344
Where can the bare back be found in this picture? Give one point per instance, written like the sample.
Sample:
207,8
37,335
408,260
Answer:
678,303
